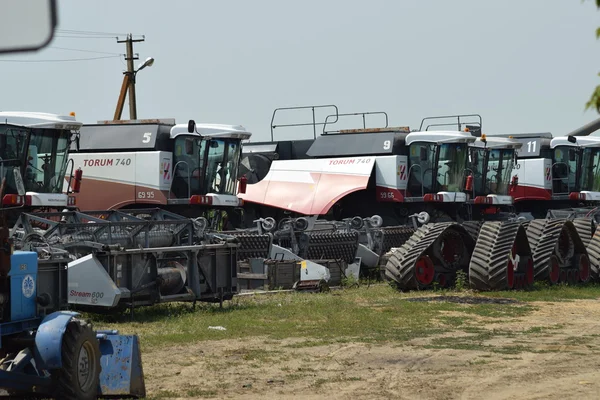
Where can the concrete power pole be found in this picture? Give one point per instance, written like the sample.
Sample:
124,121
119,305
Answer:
130,73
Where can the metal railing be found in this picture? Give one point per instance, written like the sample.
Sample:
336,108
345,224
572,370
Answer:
314,122
362,114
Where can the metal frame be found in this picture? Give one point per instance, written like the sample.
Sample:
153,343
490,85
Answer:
314,123
362,114
457,123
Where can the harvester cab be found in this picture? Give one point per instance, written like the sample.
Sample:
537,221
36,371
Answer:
576,167
207,163
553,172
491,162
34,150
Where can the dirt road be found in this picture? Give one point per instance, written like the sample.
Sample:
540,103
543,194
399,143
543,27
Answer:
552,353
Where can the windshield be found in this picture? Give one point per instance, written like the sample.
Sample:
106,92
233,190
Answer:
564,169
47,160
222,162
12,147
222,166
591,170
452,163
499,169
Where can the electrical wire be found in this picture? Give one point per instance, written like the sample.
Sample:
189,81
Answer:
63,60
92,33
82,50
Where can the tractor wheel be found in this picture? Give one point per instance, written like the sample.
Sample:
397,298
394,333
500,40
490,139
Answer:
80,373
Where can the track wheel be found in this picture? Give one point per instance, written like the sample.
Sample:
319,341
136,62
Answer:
555,271
442,280
79,376
584,267
424,270
529,272
563,275
513,262
452,247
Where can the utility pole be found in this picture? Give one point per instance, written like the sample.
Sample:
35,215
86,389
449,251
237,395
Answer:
129,79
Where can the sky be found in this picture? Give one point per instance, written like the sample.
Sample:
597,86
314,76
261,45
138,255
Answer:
524,66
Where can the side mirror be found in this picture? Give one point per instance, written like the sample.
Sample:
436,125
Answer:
77,141
29,26
191,126
423,154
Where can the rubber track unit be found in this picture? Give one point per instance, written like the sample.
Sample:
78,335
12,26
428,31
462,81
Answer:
585,229
491,256
473,228
543,236
593,249
400,267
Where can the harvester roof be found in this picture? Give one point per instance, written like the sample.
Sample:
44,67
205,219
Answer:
497,143
213,131
577,141
440,137
360,142
39,120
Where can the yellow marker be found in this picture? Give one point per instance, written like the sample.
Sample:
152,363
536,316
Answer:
303,264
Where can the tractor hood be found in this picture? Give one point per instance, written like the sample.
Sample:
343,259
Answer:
310,186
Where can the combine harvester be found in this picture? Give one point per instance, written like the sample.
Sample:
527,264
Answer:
188,169
46,350
462,180
194,170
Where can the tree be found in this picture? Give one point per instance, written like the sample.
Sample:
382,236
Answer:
594,101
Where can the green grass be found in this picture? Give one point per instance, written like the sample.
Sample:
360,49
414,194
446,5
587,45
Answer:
367,314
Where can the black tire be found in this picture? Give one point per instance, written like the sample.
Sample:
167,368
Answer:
80,354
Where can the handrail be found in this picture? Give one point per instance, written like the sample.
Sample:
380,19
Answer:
458,122
363,114
314,122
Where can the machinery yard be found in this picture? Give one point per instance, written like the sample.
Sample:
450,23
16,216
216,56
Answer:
374,343
420,254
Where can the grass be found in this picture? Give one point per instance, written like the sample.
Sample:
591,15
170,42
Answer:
367,314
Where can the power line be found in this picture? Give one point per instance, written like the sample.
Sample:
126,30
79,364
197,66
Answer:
63,60
82,50
72,31
83,37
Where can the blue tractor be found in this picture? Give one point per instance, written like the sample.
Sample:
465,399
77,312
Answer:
47,351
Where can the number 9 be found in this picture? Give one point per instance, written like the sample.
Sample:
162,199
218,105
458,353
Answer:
387,145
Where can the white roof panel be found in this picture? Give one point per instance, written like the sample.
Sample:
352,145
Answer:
213,131
39,120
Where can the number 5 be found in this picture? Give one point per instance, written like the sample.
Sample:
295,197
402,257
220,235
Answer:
147,137
387,145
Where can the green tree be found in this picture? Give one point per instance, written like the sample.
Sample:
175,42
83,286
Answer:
594,101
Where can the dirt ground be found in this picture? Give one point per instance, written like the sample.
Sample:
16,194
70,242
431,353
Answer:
558,358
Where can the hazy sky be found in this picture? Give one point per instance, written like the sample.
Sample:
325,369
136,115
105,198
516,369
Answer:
523,65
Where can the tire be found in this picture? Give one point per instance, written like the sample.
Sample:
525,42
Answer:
79,344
